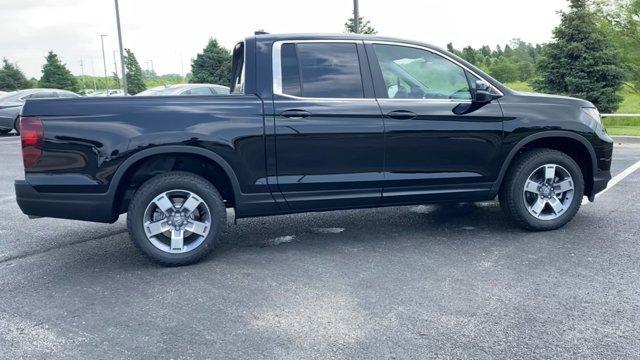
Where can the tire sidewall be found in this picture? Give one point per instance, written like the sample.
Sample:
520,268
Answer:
520,178
175,181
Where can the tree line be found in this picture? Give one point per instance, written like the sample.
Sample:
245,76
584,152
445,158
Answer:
595,52
212,66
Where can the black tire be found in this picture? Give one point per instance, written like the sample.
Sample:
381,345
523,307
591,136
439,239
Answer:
511,195
167,182
4,131
16,125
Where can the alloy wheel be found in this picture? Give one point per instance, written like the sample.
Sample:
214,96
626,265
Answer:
177,221
548,192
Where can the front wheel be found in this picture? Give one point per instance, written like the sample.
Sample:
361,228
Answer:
543,190
176,218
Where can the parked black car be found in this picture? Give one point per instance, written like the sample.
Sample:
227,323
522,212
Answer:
11,104
314,123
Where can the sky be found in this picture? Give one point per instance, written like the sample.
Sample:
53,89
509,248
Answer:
167,34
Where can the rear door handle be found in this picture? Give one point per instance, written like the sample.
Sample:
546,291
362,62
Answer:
402,115
295,114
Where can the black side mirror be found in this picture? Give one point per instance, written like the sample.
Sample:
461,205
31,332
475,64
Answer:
482,93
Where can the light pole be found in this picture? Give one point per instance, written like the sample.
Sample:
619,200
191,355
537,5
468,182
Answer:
124,74
115,63
356,17
84,85
104,61
150,68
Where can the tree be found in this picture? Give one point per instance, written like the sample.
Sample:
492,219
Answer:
581,61
485,51
469,54
212,66
12,78
621,20
364,26
55,74
135,79
116,78
504,70
450,48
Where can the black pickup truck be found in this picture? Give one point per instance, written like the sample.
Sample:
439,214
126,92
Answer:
313,123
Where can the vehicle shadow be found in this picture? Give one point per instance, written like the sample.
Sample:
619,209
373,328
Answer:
370,225
424,225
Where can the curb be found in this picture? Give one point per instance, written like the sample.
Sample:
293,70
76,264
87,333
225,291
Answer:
626,140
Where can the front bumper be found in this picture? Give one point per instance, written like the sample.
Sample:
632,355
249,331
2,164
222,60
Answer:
74,206
600,181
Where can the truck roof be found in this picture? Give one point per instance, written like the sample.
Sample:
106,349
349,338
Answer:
316,36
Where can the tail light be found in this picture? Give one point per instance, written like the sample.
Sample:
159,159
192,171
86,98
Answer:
32,135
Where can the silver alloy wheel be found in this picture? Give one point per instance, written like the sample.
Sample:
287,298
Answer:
548,192
177,221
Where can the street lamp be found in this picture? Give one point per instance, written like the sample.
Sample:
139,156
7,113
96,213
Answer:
356,17
124,74
104,60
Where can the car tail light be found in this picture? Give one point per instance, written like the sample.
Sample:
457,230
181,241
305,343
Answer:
32,135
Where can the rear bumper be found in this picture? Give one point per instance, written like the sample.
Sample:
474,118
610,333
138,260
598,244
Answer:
87,207
600,181
6,123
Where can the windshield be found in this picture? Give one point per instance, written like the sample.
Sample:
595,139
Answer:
13,96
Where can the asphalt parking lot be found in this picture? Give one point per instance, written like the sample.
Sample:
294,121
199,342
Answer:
454,281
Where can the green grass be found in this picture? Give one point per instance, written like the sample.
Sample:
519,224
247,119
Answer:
621,121
623,126
623,130
520,86
630,103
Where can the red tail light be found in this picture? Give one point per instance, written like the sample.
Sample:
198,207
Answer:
32,135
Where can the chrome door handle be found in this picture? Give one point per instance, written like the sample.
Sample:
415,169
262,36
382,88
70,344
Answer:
295,114
402,115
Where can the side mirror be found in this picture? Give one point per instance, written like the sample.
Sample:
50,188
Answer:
482,93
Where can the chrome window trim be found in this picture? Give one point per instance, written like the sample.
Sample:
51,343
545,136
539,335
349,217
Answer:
243,72
276,70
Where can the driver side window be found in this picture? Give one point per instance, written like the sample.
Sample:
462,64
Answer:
411,73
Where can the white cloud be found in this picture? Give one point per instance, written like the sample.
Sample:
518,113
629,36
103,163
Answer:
170,32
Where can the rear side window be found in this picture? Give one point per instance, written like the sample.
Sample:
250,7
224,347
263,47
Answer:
42,95
65,94
322,70
221,90
198,91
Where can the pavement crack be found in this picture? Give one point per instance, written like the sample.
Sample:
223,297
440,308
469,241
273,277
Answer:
26,254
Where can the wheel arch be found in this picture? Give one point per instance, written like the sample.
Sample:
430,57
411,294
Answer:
118,186
563,141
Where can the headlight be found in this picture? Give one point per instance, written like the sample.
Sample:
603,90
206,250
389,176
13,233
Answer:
594,114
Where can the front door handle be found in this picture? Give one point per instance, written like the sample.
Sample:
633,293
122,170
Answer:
295,114
402,115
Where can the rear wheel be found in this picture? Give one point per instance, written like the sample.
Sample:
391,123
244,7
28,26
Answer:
176,218
16,125
543,190
4,131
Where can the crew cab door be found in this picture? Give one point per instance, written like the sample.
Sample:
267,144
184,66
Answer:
438,144
328,125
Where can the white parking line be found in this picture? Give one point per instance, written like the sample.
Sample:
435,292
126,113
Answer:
10,138
616,179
